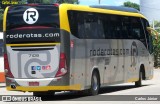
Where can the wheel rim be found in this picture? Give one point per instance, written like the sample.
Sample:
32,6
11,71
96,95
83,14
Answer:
95,83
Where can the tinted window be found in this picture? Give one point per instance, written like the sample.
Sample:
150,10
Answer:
148,35
115,27
137,29
126,28
86,25
93,26
73,23
48,16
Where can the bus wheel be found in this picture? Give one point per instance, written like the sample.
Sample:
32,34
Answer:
139,82
95,84
44,95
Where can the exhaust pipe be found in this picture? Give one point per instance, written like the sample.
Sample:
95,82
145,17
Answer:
13,86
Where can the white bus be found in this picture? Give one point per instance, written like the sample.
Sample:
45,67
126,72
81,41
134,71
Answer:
51,48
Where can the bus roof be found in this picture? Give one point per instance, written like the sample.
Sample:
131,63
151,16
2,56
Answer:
118,8
65,7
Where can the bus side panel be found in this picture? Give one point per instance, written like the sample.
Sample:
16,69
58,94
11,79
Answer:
145,60
129,69
78,62
65,48
139,55
90,54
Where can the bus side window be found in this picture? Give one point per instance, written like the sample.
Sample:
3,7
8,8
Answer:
76,23
72,16
137,29
126,28
93,26
89,21
116,27
81,25
148,35
100,27
106,26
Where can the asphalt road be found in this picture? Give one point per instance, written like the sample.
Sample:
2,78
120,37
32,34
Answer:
117,94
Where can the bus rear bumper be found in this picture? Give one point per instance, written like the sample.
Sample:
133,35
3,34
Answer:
46,84
45,88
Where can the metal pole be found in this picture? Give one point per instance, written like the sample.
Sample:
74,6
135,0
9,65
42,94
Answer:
153,24
99,1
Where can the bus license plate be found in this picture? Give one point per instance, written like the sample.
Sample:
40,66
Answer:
33,83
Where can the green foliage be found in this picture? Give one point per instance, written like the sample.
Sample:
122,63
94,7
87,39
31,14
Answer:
48,1
156,48
71,1
54,1
156,44
157,26
130,4
22,1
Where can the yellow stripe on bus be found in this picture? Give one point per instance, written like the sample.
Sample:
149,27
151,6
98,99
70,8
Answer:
32,44
4,18
64,23
132,79
46,88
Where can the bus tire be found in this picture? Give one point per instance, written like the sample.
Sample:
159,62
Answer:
95,84
139,82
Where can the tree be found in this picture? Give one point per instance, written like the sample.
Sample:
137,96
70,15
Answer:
156,44
72,1
53,1
130,4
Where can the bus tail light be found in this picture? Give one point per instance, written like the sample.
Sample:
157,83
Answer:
32,4
56,4
62,66
6,67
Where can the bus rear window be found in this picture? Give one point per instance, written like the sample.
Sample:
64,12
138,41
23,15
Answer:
25,16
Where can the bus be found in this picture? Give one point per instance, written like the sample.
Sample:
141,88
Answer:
67,47
2,78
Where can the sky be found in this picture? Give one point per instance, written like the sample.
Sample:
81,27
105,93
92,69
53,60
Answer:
107,2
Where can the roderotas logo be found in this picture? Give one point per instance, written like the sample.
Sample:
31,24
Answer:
31,16
134,53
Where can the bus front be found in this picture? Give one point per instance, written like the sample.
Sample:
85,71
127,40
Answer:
34,57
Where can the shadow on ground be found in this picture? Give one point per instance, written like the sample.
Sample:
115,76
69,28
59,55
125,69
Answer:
79,96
